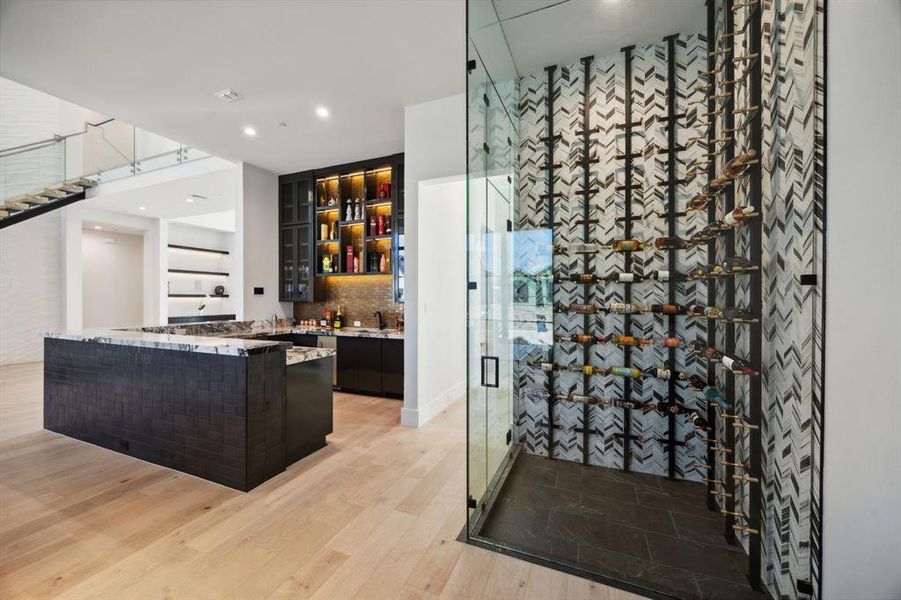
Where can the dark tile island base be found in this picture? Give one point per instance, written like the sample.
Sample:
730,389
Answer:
235,419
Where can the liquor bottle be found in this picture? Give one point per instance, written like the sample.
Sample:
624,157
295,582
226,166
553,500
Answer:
666,243
668,309
738,365
577,338
627,245
738,165
621,308
383,263
698,421
349,256
732,314
372,225
737,264
628,340
339,319
381,224
624,371
737,215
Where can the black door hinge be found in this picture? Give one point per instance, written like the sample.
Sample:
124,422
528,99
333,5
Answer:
485,146
471,502
470,65
809,279
509,436
804,587
472,285
485,99
509,225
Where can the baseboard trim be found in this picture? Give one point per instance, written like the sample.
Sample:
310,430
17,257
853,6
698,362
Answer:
417,417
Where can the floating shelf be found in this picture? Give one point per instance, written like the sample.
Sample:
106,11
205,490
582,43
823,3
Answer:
192,272
354,222
327,209
370,273
198,249
372,238
197,296
326,242
378,202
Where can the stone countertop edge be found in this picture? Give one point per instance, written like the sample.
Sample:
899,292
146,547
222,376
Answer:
226,346
390,334
300,354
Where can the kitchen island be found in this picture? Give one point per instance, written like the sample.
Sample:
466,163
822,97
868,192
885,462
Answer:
231,410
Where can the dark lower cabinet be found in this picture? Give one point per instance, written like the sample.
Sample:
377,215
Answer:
393,367
298,339
371,366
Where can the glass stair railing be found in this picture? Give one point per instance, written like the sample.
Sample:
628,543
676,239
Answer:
42,176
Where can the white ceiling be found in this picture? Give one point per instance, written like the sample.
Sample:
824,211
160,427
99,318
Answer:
539,33
158,64
211,193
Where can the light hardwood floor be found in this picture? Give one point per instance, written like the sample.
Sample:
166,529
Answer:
374,515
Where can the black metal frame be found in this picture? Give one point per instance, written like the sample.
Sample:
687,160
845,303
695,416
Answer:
40,209
549,167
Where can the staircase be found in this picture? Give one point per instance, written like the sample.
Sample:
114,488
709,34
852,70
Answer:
25,206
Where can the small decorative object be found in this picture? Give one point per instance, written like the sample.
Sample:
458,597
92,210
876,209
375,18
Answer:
383,264
327,264
350,259
356,264
381,224
219,290
384,191
358,210
332,201
349,216
372,227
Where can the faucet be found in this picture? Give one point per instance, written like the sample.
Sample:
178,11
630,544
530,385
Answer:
378,313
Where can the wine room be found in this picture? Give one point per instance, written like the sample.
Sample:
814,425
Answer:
643,259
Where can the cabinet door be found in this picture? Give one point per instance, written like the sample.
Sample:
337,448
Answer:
347,363
369,365
302,339
393,367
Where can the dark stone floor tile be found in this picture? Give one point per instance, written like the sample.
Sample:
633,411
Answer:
685,488
699,558
540,543
703,530
525,460
718,589
529,516
656,577
530,475
541,496
627,513
640,480
568,525
676,503
598,486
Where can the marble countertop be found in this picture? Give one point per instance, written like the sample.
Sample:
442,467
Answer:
228,346
299,354
232,338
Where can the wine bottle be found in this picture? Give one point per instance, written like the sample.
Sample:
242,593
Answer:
664,373
624,372
733,314
628,340
699,310
737,365
703,350
666,243
670,407
624,277
737,215
578,278
718,184
576,249
582,309
339,319
737,264
664,276
698,421
671,342
627,245
577,338
587,369
544,366
697,202
696,382
737,166
621,308
668,309
699,272
714,396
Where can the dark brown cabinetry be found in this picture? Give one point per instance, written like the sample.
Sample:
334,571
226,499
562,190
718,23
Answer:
298,339
296,245
371,366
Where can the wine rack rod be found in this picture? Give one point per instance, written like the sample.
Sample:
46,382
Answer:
586,238
711,254
672,123
728,119
550,141
627,234
755,415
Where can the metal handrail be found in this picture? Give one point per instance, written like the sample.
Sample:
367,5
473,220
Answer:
49,141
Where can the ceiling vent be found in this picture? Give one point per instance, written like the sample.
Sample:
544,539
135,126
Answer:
229,95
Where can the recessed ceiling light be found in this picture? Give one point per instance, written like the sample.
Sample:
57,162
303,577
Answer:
322,112
250,131
142,208
189,199
97,227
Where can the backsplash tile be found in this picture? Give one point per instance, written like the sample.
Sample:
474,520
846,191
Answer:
359,297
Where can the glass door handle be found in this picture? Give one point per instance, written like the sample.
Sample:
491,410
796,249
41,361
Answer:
495,375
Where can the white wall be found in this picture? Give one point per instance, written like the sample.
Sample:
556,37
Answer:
112,279
31,286
441,297
434,147
257,226
862,462
181,283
